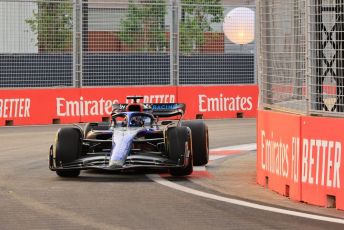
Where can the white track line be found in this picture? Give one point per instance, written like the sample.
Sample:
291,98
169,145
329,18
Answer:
164,182
161,181
245,147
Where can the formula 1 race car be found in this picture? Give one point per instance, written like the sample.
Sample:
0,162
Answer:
135,138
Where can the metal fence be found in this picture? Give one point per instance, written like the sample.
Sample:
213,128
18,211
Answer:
301,56
282,54
87,43
36,43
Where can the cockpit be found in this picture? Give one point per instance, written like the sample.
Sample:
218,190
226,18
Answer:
132,119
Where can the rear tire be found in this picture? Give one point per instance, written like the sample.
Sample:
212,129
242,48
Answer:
67,149
179,144
200,141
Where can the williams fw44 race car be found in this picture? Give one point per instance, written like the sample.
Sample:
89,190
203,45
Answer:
138,136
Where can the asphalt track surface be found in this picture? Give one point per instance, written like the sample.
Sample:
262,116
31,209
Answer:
32,197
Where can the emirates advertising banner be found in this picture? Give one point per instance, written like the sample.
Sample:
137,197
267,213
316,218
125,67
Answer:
322,160
278,155
42,106
301,156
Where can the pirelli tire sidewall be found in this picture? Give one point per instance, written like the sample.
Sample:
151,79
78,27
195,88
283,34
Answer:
200,141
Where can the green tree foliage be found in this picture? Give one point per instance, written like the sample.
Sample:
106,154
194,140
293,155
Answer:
197,17
144,26
52,24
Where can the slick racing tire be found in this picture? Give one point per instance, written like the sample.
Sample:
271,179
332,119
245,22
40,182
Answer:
200,141
67,149
179,144
95,126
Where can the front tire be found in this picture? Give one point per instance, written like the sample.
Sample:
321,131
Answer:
67,149
200,141
183,171
179,144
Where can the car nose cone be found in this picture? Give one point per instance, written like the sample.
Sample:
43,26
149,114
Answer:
114,164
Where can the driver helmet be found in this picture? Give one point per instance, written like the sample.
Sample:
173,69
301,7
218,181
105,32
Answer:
136,121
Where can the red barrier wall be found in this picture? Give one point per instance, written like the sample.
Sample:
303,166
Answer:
41,106
322,161
219,101
278,138
313,146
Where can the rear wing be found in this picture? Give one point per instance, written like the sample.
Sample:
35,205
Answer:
168,109
156,109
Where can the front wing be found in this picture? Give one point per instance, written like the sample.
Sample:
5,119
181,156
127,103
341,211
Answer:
101,161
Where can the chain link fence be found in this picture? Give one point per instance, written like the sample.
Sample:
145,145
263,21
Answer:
301,57
207,55
88,43
326,56
126,43
282,54
36,43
